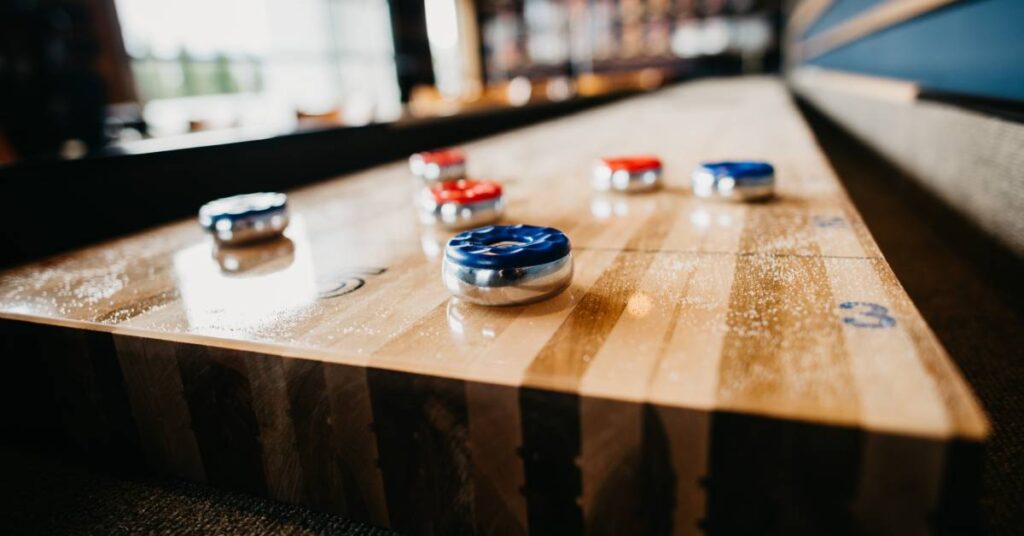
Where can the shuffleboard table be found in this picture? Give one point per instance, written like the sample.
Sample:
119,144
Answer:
714,367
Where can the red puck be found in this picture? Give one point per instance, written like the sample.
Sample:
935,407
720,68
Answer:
632,164
465,191
443,157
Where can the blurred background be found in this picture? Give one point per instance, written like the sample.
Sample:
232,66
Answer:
81,76
149,108
117,115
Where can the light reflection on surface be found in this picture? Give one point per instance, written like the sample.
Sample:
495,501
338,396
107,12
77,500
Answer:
639,305
700,218
466,322
433,241
274,255
431,247
604,207
720,215
219,301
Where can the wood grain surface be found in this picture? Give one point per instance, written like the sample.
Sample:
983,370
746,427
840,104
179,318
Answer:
713,367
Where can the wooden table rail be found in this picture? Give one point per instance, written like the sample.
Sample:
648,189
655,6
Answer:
713,368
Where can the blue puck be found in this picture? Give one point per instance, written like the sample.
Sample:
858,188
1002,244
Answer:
742,170
240,207
745,180
500,247
245,218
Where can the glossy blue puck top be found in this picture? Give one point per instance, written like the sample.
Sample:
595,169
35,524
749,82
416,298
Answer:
740,170
240,207
498,247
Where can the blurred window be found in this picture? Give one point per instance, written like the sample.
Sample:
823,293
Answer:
261,64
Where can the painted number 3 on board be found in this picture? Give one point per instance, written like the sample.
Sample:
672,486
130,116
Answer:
866,315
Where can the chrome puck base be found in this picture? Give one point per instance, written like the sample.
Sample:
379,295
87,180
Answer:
432,172
242,219
746,180
248,230
461,215
708,185
508,286
607,180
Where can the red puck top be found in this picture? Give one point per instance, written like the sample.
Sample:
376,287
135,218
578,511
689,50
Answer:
632,163
465,191
443,157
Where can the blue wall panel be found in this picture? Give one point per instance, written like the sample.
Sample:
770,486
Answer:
839,11
975,47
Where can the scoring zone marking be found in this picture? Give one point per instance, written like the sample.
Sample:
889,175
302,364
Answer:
868,315
352,279
828,222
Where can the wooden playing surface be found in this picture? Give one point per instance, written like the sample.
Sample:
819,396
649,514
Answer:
692,313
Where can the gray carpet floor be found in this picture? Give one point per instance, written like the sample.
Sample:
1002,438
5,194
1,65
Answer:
48,494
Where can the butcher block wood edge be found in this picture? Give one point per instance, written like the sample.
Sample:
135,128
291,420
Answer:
506,458
976,433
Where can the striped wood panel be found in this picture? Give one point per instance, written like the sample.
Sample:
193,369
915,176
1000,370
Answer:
720,367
